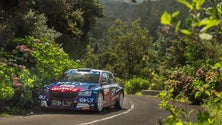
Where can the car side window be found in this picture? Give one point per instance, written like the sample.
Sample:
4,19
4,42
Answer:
111,78
108,78
105,78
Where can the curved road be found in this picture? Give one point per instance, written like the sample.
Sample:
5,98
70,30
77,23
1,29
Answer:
138,110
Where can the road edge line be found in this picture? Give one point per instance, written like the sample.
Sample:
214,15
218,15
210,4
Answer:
110,117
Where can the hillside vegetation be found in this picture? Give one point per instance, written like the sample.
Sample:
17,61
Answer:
152,44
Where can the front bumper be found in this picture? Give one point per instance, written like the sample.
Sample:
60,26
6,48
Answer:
78,103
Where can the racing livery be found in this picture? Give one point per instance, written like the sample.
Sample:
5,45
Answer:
83,89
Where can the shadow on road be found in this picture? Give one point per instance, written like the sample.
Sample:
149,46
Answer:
38,111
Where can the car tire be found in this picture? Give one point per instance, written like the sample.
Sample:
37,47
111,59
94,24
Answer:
119,103
42,109
99,103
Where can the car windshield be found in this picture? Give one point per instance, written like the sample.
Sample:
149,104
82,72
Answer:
80,77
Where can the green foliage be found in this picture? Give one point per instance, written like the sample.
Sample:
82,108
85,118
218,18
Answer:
31,64
6,89
197,88
20,24
183,53
126,45
167,18
39,24
131,43
34,24
91,59
11,87
46,58
203,86
27,63
136,84
67,21
74,19
149,10
196,54
212,115
177,113
23,97
209,115
174,54
64,16
157,82
201,24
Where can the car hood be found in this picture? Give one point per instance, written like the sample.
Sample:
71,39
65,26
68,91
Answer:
72,86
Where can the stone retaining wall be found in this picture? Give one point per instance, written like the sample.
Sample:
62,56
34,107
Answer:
151,92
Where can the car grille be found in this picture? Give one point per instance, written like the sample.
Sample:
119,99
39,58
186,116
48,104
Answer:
53,94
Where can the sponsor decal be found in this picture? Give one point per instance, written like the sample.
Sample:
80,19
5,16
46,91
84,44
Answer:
106,91
61,103
67,86
63,89
113,91
86,100
82,105
43,103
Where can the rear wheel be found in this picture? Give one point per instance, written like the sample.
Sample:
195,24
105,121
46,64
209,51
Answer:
99,103
119,103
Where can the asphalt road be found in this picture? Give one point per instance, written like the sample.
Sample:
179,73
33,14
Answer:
138,110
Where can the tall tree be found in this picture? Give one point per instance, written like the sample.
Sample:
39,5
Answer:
130,43
19,19
74,19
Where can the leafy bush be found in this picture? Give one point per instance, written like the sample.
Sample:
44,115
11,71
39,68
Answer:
212,114
31,64
13,92
6,89
204,30
157,82
198,88
44,58
203,88
136,84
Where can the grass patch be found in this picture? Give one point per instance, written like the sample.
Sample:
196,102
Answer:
138,93
4,115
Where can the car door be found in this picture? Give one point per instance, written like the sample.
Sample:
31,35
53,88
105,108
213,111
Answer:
106,88
113,87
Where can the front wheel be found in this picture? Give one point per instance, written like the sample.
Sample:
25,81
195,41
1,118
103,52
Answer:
99,103
119,103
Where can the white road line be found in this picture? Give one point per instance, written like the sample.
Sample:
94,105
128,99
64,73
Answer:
110,117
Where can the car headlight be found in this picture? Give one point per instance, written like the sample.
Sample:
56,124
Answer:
44,90
85,93
42,97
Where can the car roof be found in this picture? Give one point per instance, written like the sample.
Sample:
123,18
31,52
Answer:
85,70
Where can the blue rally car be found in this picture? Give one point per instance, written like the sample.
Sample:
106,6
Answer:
83,89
